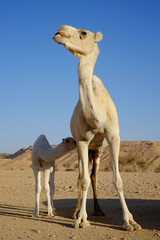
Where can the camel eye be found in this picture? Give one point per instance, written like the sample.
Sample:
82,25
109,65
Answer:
83,35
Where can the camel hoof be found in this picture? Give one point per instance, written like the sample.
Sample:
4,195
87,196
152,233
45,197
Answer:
51,215
35,215
137,227
128,227
85,224
131,228
76,224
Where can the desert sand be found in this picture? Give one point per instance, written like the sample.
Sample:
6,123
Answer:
140,171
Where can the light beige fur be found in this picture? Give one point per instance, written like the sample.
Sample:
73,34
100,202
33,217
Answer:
94,123
43,160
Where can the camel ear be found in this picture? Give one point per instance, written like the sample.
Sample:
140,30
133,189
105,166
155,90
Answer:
98,36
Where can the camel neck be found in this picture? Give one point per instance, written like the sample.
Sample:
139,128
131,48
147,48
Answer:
86,95
85,69
56,152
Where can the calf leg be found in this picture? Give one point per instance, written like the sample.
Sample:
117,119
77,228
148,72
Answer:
52,185
47,190
37,175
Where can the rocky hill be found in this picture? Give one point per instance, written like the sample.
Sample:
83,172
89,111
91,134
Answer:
134,156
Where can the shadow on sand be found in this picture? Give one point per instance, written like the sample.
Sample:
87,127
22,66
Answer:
146,212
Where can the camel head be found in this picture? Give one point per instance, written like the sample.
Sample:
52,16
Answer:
69,140
79,42
69,143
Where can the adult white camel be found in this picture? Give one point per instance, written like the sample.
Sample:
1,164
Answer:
43,160
95,121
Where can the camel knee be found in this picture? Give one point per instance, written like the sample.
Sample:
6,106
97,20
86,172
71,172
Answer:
46,188
85,184
38,189
118,184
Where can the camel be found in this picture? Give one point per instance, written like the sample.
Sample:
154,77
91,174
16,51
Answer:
94,122
43,160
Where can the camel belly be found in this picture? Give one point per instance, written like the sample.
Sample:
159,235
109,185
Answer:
98,142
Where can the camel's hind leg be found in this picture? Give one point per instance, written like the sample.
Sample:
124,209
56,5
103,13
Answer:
52,185
94,155
47,190
129,223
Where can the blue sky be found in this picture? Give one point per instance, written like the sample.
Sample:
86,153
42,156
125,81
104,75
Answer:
39,80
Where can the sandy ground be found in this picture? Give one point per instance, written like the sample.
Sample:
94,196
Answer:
142,192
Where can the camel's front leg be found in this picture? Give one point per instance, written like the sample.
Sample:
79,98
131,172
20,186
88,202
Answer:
79,183
37,175
83,155
129,223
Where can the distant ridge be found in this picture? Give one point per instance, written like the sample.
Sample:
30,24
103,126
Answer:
134,156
